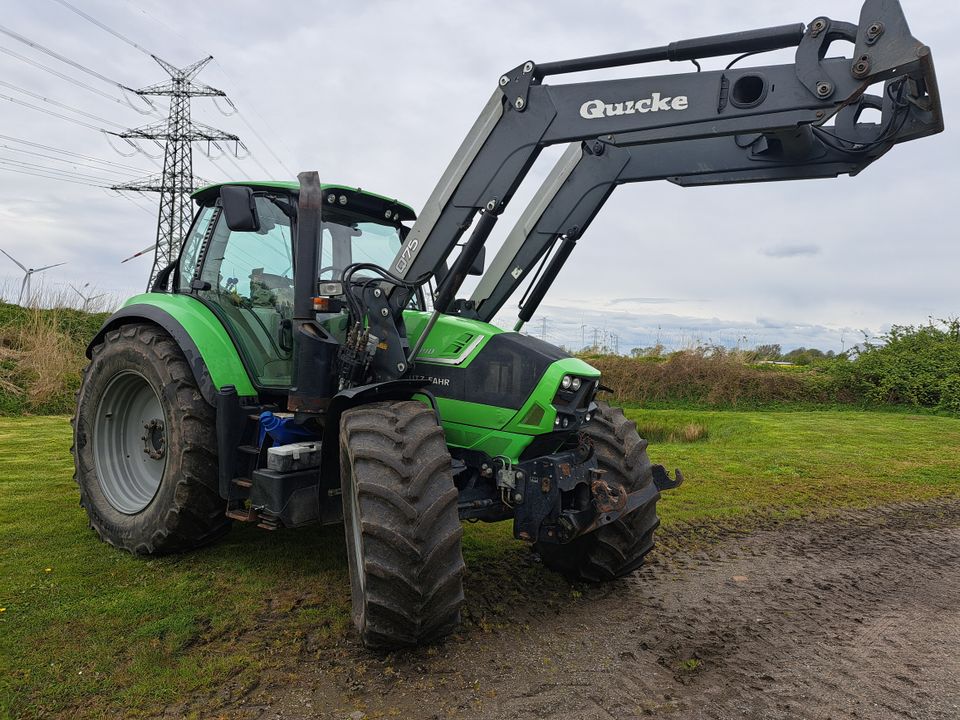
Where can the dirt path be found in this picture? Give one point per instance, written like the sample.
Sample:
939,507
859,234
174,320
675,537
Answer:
854,617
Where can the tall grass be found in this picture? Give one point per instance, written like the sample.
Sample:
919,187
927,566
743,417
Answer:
41,357
48,295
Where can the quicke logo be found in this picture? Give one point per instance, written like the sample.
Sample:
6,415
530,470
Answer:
595,109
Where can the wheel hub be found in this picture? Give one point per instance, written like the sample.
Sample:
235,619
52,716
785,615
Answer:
154,440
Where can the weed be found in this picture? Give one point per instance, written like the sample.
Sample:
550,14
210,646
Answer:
659,432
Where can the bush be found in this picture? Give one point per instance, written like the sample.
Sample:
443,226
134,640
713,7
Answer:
950,395
914,365
712,376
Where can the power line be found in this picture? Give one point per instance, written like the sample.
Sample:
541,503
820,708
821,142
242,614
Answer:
59,104
263,142
257,135
68,161
104,27
117,193
226,174
49,177
224,154
72,63
80,83
24,171
46,168
253,157
49,148
51,112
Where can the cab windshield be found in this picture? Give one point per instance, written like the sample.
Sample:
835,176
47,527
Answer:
345,243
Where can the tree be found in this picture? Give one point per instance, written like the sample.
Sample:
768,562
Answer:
768,352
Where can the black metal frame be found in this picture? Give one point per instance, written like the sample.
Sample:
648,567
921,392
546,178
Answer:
587,175
524,116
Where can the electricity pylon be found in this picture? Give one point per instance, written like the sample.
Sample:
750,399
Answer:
179,133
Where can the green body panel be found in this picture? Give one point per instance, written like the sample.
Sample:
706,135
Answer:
446,335
215,346
542,396
494,430
497,431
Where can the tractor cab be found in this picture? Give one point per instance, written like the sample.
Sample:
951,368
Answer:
245,273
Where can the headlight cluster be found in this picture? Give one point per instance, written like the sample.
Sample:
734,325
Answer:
570,383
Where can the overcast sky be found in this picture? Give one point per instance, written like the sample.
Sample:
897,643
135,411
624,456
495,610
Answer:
380,94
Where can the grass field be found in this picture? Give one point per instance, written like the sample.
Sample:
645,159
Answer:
88,631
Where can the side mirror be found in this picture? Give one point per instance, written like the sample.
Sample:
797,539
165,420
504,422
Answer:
239,208
478,262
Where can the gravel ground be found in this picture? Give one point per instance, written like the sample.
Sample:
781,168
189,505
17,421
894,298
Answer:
856,616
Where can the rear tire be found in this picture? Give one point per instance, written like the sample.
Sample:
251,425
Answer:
402,525
616,549
145,446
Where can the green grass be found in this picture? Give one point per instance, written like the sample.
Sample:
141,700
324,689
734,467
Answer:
89,631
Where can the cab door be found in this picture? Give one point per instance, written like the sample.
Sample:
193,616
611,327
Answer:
247,278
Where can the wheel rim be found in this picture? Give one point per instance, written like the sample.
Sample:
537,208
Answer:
357,545
129,442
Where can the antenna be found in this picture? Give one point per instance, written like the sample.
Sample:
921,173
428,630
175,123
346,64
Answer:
27,274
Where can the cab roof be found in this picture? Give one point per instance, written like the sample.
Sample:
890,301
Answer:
381,203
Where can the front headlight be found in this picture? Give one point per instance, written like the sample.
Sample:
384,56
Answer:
567,382
575,385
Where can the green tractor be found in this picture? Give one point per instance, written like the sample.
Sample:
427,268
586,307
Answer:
307,359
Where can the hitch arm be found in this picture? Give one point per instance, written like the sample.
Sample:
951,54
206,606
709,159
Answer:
523,116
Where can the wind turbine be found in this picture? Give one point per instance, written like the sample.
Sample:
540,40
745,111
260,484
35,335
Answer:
28,273
142,252
87,299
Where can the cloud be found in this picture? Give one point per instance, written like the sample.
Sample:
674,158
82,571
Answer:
645,301
396,88
576,328
787,251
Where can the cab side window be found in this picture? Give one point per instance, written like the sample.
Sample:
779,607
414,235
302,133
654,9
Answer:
191,246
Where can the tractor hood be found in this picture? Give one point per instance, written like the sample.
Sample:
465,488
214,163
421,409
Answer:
487,380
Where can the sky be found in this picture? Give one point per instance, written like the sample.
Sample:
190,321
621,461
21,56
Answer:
380,94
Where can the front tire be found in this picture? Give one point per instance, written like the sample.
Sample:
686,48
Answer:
619,548
402,525
145,446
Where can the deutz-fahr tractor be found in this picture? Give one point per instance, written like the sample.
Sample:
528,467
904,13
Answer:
308,358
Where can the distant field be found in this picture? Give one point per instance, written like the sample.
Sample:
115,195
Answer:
88,631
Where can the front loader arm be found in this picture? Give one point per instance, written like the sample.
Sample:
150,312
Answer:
524,115
586,175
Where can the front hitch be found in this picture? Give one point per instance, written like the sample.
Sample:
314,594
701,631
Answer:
661,478
563,496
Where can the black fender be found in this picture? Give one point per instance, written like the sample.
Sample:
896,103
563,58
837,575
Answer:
330,447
